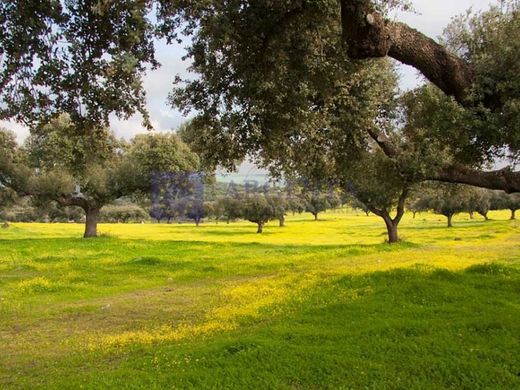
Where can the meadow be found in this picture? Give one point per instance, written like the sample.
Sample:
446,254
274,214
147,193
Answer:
315,304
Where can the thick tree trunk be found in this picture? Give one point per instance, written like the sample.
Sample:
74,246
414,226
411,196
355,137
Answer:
92,215
450,218
369,35
471,215
315,216
197,221
282,220
260,228
513,214
391,228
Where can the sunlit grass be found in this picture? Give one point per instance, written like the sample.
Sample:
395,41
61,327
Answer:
174,288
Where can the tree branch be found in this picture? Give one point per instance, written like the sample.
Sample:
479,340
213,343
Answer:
71,200
384,143
369,35
400,206
503,179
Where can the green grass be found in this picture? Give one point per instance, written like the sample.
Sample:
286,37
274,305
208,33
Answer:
321,304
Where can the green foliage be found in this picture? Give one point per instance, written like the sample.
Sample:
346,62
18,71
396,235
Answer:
256,208
162,153
123,213
448,199
9,174
376,182
286,99
487,40
83,58
316,202
91,169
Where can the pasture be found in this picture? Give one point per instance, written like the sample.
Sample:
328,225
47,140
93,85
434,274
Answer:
315,304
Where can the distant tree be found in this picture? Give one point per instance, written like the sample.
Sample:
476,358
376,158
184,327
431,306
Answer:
232,208
123,213
503,201
295,204
55,213
280,205
419,200
195,210
316,203
376,182
448,200
92,169
479,200
257,209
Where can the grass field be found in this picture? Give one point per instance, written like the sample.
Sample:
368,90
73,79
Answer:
313,305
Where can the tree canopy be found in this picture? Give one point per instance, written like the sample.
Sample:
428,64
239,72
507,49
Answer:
296,60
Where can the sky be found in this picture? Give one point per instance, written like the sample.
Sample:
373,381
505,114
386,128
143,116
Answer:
431,18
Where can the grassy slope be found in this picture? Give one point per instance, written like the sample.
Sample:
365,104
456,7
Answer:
312,305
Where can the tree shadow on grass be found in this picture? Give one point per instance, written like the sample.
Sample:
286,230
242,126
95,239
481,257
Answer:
424,327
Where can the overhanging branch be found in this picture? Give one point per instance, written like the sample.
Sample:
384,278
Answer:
503,179
369,35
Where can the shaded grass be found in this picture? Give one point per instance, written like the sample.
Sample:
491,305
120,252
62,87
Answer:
394,329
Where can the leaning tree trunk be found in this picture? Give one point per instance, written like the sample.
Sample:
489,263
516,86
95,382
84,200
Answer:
92,215
282,220
260,228
485,215
450,217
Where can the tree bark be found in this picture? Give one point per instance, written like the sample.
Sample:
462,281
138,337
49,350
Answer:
92,215
282,220
197,221
513,214
450,217
315,216
260,228
471,215
503,179
485,215
369,35
393,223
391,228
